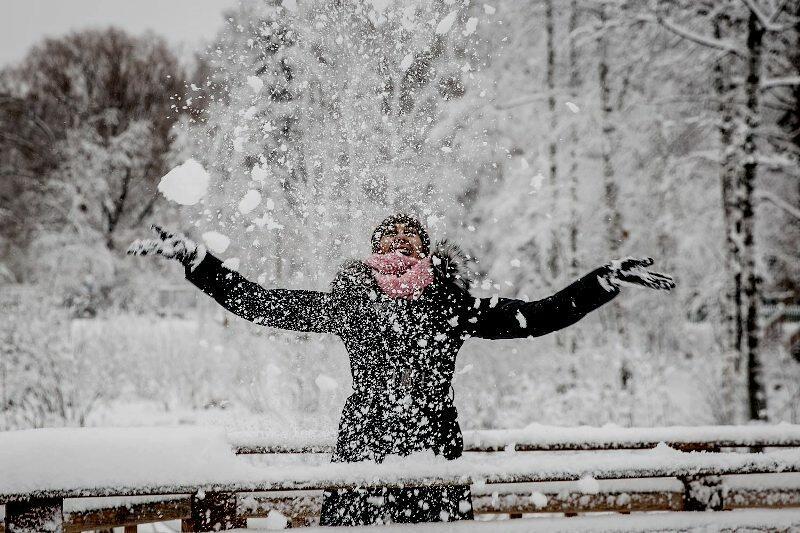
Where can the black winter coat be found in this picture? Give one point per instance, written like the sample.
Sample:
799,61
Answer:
402,358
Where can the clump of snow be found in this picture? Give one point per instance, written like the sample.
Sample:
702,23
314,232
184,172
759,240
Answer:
537,181
259,174
588,485
665,448
606,284
290,5
470,26
232,263
572,107
250,113
489,10
216,241
266,220
446,23
249,201
406,62
326,383
185,184
538,499
275,520
521,319
255,83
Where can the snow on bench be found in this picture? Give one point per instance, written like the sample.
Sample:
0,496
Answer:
39,468
744,520
538,437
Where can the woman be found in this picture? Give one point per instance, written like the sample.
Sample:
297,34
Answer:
402,313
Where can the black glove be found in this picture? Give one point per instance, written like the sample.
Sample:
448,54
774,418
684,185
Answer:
170,245
632,271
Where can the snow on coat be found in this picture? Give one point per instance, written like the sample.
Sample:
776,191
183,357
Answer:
402,358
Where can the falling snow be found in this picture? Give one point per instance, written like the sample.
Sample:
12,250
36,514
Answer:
185,184
446,23
216,242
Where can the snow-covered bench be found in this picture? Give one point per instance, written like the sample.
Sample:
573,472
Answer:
39,469
556,438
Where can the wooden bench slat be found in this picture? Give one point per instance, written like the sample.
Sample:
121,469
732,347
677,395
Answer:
507,500
127,515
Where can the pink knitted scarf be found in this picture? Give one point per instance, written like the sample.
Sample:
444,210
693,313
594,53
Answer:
400,276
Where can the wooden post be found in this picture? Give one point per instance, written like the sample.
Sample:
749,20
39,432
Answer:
132,529
213,511
35,516
703,493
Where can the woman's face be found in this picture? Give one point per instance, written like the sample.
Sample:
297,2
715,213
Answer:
403,239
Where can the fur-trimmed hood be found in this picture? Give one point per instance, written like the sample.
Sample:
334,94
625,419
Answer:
449,266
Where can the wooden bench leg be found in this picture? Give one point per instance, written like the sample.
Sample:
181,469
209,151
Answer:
213,511
131,529
35,516
703,493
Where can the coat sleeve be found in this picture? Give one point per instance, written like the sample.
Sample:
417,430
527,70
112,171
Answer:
296,310
506,318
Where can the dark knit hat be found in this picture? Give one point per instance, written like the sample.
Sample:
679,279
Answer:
388,225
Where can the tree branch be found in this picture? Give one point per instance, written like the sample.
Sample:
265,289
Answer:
148,208
766,22
785,206
778,10
704,40
525,100
780,82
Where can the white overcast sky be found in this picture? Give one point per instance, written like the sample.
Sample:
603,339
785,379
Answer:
184,23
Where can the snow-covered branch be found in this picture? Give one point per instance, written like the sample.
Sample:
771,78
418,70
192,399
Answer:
525,100
766,21
787,81
785,206
690,35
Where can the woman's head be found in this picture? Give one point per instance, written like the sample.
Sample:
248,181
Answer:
401,233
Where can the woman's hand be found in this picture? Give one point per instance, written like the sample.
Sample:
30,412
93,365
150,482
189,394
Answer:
632,271
170,245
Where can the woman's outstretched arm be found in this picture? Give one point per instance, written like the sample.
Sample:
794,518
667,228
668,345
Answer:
280,308
505,318
296,310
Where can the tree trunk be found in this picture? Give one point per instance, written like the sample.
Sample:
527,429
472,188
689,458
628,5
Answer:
615,234
731,305
554,254
613,215
757,399
574,83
